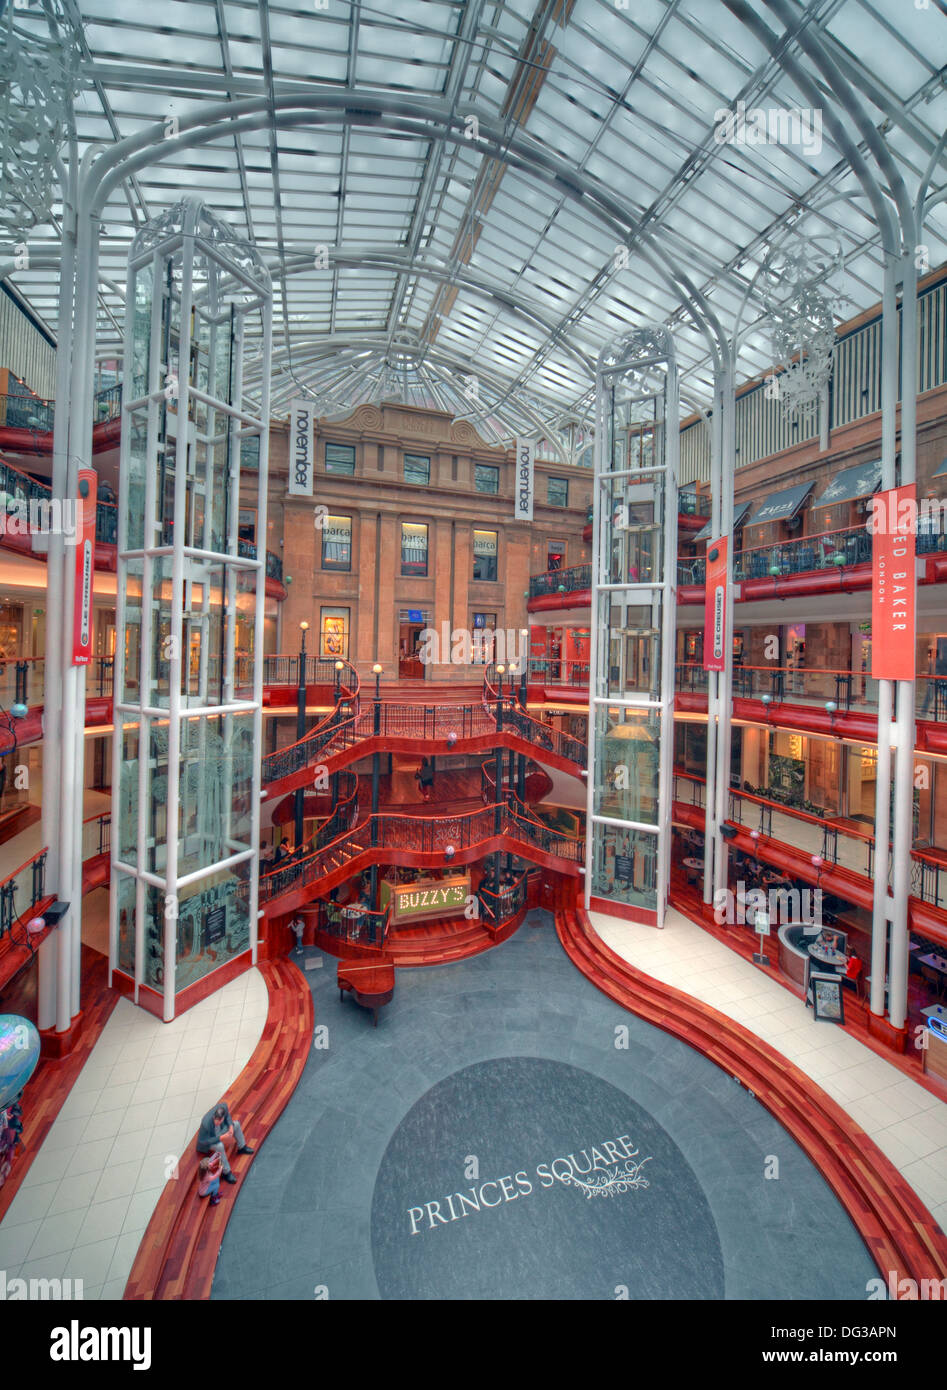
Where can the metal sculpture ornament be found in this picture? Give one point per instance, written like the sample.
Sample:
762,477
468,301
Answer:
39,82
802,312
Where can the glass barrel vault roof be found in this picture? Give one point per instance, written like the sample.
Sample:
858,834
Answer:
410,265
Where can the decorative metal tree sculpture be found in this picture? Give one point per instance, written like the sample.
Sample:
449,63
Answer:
39,82
802,311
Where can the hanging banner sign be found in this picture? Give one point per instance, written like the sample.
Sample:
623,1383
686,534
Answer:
715,606
893,526
301,448
524,485
85,567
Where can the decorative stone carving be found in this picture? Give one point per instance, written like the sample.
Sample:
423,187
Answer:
368,417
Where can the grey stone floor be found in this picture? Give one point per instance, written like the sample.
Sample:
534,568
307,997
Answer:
491,1069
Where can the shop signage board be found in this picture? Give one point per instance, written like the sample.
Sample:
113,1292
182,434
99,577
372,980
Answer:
215,924
893,584
715,606
85,567
301,448
430,897
525,481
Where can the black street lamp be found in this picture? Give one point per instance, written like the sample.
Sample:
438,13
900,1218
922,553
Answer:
524,672
510,775
498,774
376,768
299,800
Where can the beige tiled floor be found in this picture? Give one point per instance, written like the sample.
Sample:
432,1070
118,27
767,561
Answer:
90,1191
907,1122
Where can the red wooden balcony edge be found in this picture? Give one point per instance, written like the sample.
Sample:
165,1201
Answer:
178,1253
925,919
846,579
856,724
899,1232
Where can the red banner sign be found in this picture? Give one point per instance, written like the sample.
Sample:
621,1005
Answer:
893,583
715,606
85,567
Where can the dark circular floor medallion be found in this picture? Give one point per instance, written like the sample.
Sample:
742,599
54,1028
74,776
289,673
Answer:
521,1178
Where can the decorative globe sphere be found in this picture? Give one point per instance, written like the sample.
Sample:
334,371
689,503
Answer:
451,739
19,1054
449,851
830,706
775,571
36,924
817,861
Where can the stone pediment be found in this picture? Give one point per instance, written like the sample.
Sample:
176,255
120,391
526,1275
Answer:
433,427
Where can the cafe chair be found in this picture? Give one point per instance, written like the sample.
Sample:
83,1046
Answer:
852,976
935,978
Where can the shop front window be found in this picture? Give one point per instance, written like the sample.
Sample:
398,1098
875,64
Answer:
417,469
340,458
337,543
334,633
485,555
413,548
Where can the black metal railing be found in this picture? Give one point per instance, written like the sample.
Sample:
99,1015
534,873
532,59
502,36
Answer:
497,908
22,890
693,504
354,923
830,550
561,671
561,581
27,413
443,837
692,572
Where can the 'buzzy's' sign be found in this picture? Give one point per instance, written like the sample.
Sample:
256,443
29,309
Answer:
433,897
301,448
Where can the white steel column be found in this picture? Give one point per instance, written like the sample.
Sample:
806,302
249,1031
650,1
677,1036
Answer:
882,903
725,677
898,961
713,678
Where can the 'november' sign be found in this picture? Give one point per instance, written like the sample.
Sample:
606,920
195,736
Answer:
523,485
301,448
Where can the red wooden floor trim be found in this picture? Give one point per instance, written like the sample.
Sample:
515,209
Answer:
178,1253
900,1233
54,1078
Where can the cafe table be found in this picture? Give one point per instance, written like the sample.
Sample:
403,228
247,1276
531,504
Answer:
828,956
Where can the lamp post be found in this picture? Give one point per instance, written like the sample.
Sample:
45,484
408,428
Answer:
524,673
376,768
339,667
517,756
498,774
298,803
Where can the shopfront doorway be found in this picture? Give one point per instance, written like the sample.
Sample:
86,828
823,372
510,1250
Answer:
410,666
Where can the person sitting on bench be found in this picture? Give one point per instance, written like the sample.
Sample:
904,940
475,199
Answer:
210,1136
